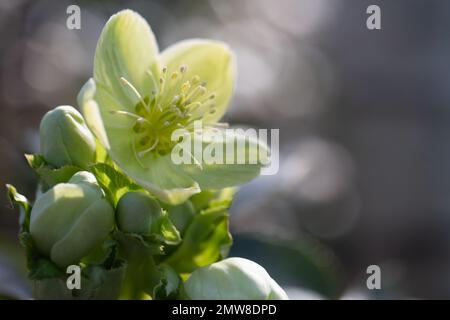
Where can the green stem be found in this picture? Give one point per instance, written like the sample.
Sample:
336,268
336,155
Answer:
142,273
141,277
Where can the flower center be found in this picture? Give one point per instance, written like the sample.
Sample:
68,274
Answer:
175,103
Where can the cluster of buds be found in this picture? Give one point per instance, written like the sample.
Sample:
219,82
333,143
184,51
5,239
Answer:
72,219
110,201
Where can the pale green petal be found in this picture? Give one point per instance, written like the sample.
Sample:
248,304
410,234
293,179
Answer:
159,175
277,292
228,171
80,239
91,112
212,61
100,120
126,48
232,279
64,197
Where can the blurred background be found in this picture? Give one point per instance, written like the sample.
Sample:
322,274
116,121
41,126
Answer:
364,119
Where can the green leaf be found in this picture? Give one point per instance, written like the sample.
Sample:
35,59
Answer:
130,243
213,198
101,155
168,230
25,207
206,240
43,269
111,248
104,254
39,267
97,282
169,284
101,283
113,182
35,160
181,215
49,175
141,274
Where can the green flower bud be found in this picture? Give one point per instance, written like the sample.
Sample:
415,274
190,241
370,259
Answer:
233,279
71,219
139,213
65,138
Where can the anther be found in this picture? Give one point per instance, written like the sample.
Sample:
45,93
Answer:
195,79
139,126
140,109
144,140
176,99
193,106
185,87
202,90
199,90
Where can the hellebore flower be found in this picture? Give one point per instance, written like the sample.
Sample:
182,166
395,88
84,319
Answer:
138,97
65,138
233,279
71,219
